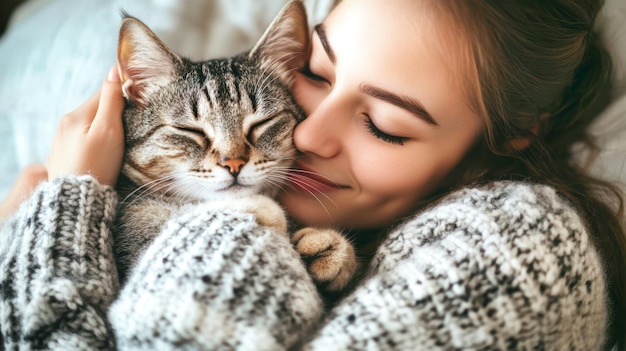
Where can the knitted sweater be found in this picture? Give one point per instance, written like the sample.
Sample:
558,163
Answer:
503,266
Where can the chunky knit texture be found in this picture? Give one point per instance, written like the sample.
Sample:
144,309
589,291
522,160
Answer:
503,266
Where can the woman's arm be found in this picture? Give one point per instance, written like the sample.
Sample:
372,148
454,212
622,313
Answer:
57,274
216,280
211,280
508,266
492,268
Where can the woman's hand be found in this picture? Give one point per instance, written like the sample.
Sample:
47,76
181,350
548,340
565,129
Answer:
90,139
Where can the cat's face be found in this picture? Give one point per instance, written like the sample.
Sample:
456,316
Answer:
219,128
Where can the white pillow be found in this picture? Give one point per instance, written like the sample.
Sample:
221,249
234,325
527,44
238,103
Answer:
610,127
56,53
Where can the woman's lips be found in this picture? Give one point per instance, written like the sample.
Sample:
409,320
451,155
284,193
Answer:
308,180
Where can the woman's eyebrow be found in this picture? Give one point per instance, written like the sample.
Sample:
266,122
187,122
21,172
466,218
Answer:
407,103
321,33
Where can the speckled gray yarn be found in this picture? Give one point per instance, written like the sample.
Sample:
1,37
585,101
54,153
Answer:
57,276
503,266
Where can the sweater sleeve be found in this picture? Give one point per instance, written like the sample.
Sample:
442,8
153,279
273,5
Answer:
508,266
57,276
216,280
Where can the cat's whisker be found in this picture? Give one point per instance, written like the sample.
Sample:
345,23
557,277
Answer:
276,181
192,187
269,69
267,80
305,188
184,186
301,171
165,183
305,185
273,100
147,187
139,188
308,187
272,74
286,171
147,192
260,85
173,191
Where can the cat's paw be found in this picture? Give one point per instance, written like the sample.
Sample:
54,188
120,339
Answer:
329,257
267,211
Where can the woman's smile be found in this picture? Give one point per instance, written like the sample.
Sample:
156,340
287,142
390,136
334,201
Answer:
387,118
312,182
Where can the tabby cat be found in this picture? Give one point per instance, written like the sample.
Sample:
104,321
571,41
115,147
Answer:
219,132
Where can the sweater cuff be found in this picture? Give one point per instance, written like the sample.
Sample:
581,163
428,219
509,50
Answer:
58,264
78,230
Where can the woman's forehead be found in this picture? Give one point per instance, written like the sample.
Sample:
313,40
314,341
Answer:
408,46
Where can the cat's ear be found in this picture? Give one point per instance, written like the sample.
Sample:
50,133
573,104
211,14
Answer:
286,43
145,62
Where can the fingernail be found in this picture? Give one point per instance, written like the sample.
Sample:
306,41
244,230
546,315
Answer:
113,75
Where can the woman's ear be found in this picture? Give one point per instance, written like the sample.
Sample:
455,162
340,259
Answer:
520,144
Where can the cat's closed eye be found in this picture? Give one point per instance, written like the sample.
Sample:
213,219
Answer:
198,135
258,128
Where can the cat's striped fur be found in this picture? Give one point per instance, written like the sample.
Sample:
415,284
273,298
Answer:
218,131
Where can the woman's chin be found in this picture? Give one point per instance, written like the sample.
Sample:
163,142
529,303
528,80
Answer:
306,211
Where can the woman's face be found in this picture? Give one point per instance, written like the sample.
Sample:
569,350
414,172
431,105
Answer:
387,119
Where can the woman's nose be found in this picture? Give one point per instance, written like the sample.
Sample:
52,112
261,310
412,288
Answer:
320,132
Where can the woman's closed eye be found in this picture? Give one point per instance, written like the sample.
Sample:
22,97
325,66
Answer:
308,73
388,138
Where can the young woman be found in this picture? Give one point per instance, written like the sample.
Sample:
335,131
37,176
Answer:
438,130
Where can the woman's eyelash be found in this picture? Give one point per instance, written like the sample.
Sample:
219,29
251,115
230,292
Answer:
396,140
306,71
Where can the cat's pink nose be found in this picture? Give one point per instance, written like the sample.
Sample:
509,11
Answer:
233,165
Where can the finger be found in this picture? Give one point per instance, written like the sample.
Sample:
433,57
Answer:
87,110
111,103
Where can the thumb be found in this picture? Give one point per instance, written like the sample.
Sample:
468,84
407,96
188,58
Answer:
111,103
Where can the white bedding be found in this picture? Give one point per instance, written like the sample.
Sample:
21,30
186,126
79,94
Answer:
56,52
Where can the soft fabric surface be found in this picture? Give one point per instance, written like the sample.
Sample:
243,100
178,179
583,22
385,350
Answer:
611,127
56,53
